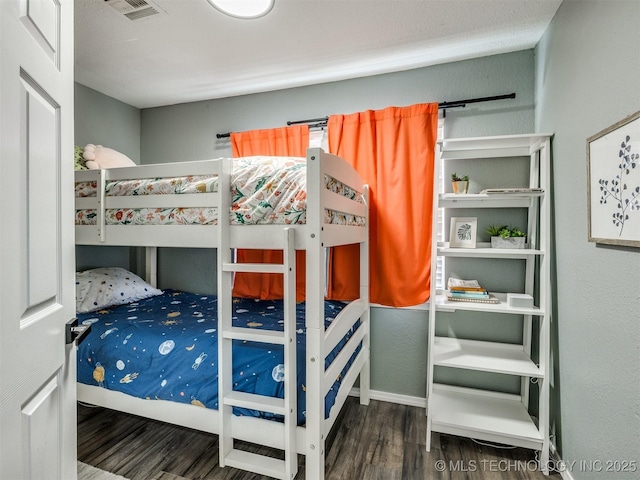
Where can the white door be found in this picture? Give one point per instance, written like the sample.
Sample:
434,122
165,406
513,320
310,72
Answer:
37,371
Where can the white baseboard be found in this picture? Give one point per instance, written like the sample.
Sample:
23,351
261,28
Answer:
559,464
393,398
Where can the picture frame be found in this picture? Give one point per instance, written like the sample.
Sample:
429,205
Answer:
463,231
613,184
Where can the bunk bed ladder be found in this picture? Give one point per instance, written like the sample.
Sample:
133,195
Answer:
228,398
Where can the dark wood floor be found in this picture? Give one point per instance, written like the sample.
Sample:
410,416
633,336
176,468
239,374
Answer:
383,441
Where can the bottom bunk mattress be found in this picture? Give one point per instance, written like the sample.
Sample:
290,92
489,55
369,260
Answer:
166,348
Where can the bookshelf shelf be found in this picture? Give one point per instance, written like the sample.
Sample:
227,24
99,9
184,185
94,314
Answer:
442,304
485,251
484,414
483,200
493,357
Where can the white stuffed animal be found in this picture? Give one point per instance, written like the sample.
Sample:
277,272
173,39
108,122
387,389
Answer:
98,157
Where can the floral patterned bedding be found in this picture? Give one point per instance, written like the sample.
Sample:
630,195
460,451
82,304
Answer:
265,190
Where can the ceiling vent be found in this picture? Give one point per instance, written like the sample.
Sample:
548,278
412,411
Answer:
135,9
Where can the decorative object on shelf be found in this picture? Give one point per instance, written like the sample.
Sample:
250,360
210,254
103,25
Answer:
519,300
613,183
460,184
503,236
463,232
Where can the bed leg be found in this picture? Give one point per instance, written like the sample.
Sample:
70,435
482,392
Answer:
365,382
151,265
315,399
365,373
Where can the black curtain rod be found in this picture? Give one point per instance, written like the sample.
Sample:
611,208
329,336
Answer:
322,121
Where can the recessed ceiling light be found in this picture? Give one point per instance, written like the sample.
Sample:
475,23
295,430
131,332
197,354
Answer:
243,8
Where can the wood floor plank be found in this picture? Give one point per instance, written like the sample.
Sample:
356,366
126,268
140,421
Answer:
381,472
348,435
415,426
167,476
380,441
387,428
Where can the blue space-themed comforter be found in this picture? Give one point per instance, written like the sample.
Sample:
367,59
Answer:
166,348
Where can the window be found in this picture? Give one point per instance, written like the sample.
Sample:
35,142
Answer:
440,284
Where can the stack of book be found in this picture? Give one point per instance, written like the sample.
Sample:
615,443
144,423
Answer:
459,290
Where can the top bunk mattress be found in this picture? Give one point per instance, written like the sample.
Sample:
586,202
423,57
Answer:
264,190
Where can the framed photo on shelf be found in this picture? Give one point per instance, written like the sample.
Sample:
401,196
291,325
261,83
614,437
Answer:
463,232
613,183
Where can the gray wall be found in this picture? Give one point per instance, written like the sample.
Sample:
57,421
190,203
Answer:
102,120
587,78
188,132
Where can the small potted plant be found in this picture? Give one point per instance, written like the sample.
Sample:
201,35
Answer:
503,236
460,184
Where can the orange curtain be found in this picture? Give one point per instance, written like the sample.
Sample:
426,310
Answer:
287,141
394,151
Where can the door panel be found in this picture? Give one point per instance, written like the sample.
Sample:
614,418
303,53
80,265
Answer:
41,19
41,432
37,293
40,116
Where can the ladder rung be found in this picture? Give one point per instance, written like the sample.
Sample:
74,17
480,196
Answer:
253,462
254,335
253,267
252,401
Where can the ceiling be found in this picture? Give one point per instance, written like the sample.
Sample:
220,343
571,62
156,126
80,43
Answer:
189,51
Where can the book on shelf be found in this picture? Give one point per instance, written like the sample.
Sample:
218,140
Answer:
460,283
453,293
460,298
457,285
468,289
459,290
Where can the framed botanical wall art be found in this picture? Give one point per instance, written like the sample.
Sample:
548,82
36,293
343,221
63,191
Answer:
463,232
613,183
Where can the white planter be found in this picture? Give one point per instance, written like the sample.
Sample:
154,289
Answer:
510,242
460,186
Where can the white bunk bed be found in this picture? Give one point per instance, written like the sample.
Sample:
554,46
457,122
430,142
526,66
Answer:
313,237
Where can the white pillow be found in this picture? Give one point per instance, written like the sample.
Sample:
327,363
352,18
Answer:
103,287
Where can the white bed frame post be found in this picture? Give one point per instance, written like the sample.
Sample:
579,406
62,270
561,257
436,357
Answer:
314,321
290,357
365,373
225,283
151,265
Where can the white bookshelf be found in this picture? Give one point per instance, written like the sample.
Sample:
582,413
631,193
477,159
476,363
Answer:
483,414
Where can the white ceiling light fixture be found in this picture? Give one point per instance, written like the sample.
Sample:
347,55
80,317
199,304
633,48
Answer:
243,8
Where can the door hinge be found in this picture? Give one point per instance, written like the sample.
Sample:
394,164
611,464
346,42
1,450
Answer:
76,333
